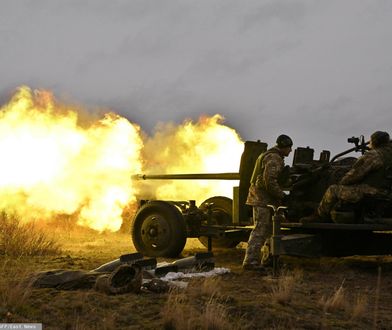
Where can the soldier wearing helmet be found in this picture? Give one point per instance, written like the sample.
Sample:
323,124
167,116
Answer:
368,176
265,189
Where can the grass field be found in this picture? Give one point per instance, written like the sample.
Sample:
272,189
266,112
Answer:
323,293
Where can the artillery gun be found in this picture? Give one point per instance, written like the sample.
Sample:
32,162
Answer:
160,228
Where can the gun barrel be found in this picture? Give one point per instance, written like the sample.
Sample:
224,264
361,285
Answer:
191,176
356,148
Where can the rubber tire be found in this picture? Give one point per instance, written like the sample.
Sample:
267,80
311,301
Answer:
222,214
168,226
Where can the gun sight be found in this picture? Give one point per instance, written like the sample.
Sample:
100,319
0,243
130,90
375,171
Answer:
353,139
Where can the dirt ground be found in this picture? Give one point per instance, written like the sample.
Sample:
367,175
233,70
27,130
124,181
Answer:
327,293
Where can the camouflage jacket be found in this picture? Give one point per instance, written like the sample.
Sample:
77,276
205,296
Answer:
370,168
264,188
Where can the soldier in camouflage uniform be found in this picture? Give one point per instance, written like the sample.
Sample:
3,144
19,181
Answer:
366,177
265,189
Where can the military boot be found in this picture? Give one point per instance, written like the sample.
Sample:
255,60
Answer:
255,268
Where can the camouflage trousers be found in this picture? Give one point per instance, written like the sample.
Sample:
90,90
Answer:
349,194
261,231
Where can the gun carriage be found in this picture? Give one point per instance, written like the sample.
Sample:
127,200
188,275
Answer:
160,228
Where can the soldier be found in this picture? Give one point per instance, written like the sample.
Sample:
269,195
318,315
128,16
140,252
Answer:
366,177
265,189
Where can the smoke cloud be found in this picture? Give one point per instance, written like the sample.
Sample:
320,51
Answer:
317,71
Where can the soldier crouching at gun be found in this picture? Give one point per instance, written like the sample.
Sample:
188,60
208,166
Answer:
264,190
368,176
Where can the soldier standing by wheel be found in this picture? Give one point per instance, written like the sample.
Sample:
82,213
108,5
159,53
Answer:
265,189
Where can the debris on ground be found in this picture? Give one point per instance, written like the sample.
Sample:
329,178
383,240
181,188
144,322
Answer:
131,273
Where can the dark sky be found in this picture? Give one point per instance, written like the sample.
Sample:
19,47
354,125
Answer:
320,71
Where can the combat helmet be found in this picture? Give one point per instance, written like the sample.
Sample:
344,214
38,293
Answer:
284,141
379,138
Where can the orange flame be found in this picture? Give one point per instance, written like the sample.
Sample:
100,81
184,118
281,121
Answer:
52,165
207,146
57,162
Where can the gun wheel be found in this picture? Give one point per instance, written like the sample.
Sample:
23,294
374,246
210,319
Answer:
222,214
159,230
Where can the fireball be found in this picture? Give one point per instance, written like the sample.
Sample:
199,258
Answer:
206,146
57,160
52,164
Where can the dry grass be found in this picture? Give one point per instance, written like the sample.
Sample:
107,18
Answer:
359,309
15,287
24,239
215,316
211,286
18,240
199,307
337,301
282,291
177,313
108,322
82,308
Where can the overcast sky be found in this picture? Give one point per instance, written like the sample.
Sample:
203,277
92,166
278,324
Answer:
320,71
